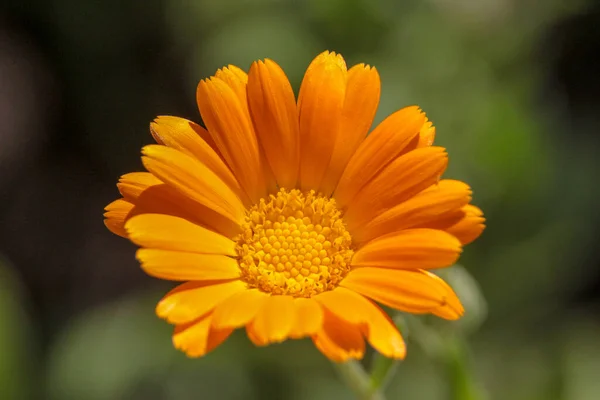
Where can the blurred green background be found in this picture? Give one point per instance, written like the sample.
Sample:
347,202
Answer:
512,87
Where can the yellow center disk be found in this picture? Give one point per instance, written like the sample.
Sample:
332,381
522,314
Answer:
294,244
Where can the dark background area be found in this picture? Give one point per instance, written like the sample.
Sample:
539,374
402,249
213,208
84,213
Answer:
513,88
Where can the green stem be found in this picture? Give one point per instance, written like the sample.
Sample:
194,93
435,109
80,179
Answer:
357,379
382,369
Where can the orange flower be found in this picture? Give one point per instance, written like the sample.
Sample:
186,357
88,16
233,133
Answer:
285,218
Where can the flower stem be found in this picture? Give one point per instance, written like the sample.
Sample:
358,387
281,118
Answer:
382,370
357,379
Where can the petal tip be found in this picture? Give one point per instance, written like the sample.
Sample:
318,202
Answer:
164,308
398,350
330,57
150,149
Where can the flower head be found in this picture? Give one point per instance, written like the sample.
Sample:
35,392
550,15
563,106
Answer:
285,218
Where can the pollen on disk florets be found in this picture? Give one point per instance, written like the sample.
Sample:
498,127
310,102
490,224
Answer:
294,243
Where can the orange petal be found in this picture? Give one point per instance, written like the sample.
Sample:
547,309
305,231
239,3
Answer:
180,266
151,196
228,122
203,133
470,226
426,134
387,141
183,135
254,338
132,185
309,318
409,249
191,300
163,199
400,180
466,223
411,291
452,309
115,216
275,117
198,338
382,334
193,179
425,207
237,80
274,320
342,303
172,233
238,310
360,106
339,340
320,105
376,324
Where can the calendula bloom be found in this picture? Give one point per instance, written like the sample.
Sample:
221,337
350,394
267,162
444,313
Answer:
285,218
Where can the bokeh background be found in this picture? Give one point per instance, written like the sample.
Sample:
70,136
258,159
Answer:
513,87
